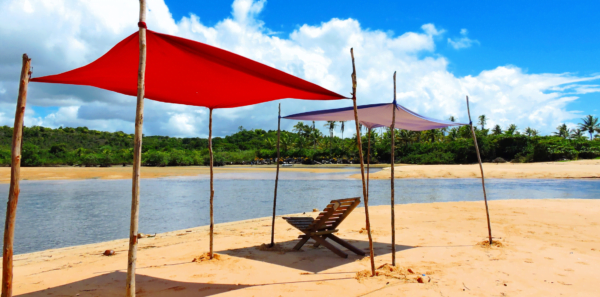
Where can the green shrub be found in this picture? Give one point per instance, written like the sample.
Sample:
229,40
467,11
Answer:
155,158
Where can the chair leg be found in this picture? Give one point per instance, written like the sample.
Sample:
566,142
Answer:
346,245
330,246
304,239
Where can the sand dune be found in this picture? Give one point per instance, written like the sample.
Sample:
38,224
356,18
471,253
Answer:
550,248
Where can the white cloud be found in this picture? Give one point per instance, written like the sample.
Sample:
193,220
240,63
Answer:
63,34
463,41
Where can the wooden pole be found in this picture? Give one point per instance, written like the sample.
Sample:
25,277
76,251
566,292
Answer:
392,179
368,158
137,156
482,177
15,174
276,178
362,165
212,191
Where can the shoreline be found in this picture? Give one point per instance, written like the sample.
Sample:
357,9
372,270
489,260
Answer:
581,169
550,246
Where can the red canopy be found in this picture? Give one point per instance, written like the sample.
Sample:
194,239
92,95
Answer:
187,72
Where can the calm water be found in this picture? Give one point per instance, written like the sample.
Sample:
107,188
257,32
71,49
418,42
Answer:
53,214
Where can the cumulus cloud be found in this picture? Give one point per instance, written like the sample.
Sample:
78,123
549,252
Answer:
463,41
64,34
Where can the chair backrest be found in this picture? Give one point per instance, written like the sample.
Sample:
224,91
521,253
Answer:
334,213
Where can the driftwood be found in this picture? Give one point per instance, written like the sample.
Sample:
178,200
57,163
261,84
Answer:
137,156
212,191
362,165
480,168
392,179
277,178
15,174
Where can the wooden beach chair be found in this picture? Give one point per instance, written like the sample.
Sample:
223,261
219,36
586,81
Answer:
325,225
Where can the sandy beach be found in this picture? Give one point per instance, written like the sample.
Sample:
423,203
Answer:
549,247
120,172
570,169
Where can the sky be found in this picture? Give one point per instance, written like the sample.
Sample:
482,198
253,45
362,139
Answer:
531,63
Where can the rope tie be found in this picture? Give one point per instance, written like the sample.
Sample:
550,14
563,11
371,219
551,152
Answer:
142,25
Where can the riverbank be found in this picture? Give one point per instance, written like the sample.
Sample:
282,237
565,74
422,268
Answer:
569,169
124,172
549,247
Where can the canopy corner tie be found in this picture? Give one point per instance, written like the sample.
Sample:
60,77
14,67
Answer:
142,25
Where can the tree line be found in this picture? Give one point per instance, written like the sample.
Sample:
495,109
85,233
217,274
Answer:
305,144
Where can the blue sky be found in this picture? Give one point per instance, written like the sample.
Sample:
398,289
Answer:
529,63
547,36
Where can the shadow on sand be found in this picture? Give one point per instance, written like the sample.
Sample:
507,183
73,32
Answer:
113,284
311,259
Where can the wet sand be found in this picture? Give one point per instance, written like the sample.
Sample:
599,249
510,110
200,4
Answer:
550,247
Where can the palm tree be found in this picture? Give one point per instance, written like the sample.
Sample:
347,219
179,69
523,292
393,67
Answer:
453,134
405,136
342,128
528,131
432,134
269,143
482,121
285,141
311,136
512,128
497,130
314,136
452,119
590,124
562,131
531,132
301,142
331,125
301,129
577,133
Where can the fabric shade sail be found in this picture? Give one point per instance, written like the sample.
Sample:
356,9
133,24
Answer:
187,72
377,115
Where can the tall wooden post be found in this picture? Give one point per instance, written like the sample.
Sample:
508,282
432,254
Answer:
392,179
369,130
15,174
137,155
277,178
480,168
362,165
212,191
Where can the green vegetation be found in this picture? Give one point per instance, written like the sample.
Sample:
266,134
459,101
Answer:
305,144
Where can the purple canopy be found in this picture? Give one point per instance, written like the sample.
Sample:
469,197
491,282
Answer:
375,116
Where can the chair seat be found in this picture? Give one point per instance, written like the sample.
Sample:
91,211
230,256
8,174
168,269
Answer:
325,225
